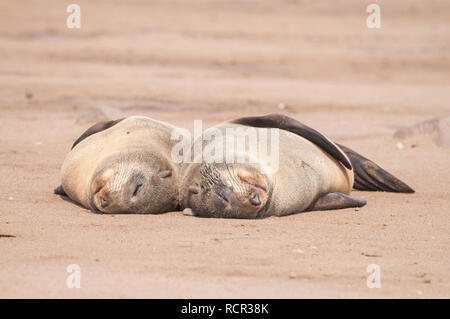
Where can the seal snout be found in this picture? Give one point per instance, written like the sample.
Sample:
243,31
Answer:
103,202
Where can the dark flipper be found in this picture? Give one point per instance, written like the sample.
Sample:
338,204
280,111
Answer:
60,191
98,127
289,124
371,177
336,201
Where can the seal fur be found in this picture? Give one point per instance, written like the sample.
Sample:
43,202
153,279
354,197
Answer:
122,166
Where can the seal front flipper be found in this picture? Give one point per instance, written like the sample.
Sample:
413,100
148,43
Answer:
287,123
98,127
371,177
60,191
330,201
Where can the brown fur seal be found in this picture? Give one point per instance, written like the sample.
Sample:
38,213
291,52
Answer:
122,166
314,174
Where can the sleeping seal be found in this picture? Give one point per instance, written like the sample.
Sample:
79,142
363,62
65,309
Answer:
313,174
122,166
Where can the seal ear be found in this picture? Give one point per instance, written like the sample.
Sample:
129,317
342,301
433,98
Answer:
336,201
289,124
371,177
98,127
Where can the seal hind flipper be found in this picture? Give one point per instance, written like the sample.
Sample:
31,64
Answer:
98,127
289,124
330,201
371,177
60,191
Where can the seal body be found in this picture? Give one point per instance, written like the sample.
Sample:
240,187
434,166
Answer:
123,166
311,172
305,171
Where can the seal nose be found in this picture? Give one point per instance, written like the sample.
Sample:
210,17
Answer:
103,202
255,200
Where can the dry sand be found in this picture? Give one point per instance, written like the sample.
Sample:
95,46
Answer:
215,60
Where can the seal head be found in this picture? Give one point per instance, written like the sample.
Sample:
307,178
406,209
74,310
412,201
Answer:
228,191
122,166
129,184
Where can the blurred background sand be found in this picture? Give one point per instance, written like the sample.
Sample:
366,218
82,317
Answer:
216,60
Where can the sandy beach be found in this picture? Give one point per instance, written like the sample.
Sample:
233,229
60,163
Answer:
180,61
